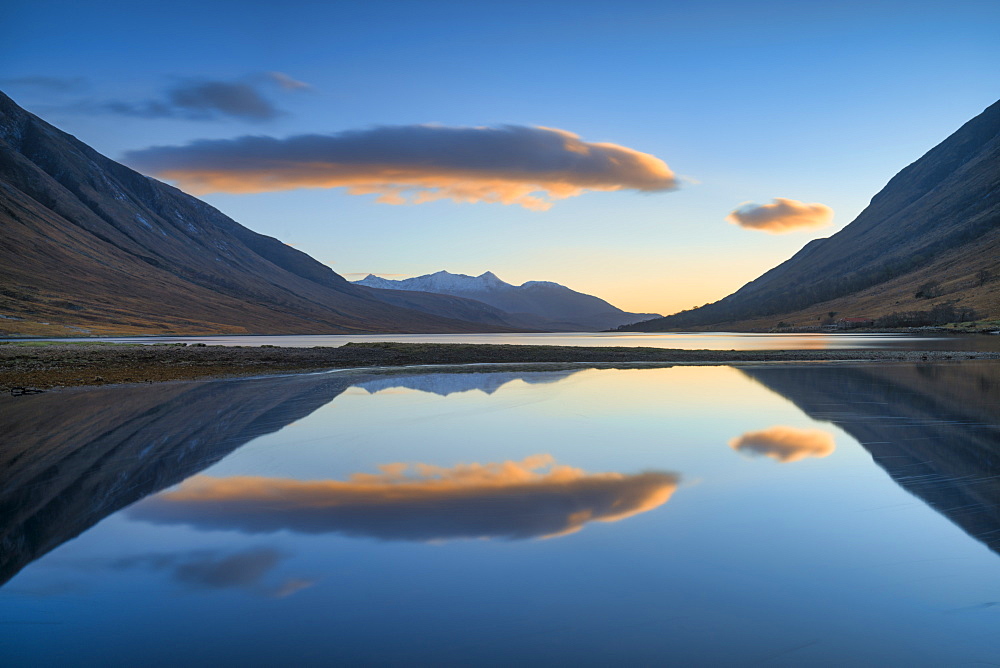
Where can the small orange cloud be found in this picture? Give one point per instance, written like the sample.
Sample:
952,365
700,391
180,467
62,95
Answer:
781,216
413,164
785,444
533,498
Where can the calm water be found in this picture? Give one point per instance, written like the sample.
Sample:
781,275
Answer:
681,340
773,515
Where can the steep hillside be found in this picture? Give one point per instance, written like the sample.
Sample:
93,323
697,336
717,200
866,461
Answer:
90,246
535,304
959,286
941,212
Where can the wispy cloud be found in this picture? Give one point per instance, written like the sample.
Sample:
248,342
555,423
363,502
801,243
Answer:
54,84
785,444
205,99
511,164
533,498
246,570
781,215
287,82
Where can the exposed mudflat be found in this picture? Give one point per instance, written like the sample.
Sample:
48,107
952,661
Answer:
32,366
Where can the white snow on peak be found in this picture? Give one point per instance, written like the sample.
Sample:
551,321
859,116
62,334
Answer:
441,282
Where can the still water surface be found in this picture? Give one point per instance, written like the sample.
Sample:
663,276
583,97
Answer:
780,515
679,340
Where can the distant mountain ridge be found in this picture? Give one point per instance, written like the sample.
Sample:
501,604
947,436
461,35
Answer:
89,246
536,304
937,221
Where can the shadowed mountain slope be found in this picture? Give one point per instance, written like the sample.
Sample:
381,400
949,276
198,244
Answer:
88,245
70,460
932,427
936,220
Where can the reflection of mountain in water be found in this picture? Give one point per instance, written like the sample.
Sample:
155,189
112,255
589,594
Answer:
932,427
451,383
70,459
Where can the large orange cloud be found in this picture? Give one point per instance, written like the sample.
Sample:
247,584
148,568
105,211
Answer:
781,215
785,444
510,500
511,164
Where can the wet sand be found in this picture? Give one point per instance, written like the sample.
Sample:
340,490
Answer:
27,367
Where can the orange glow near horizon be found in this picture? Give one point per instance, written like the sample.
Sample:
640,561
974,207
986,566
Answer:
785,444
532,498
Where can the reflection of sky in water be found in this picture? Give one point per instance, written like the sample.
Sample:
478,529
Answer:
806,553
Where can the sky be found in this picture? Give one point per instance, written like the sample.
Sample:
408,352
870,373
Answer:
656,154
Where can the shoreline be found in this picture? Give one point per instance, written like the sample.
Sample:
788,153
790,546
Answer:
26,369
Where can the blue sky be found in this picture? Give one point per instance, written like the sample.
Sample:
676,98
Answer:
745,101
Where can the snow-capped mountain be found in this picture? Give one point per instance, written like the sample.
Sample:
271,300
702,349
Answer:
444,384
536,304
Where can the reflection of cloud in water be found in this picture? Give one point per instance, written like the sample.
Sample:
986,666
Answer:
210,570
511,500
450,383
785,444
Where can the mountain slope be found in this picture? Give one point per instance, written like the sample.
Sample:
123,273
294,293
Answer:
538,304
948,201
90,246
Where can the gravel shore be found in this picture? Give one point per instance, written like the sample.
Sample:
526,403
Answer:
27,367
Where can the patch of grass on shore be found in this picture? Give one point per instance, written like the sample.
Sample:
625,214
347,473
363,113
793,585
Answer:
39,344
973,326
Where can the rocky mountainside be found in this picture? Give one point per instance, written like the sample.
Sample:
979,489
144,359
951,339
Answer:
936,223
535,304
90,246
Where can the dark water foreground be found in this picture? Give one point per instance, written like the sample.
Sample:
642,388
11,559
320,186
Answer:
759,515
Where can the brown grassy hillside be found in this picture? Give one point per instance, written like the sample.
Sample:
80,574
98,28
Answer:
957,272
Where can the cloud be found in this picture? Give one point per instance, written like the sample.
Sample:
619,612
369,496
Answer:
55,84
209,570
292,586
785,444
236,570
287,82
203,100
532,498
511,164
781,215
